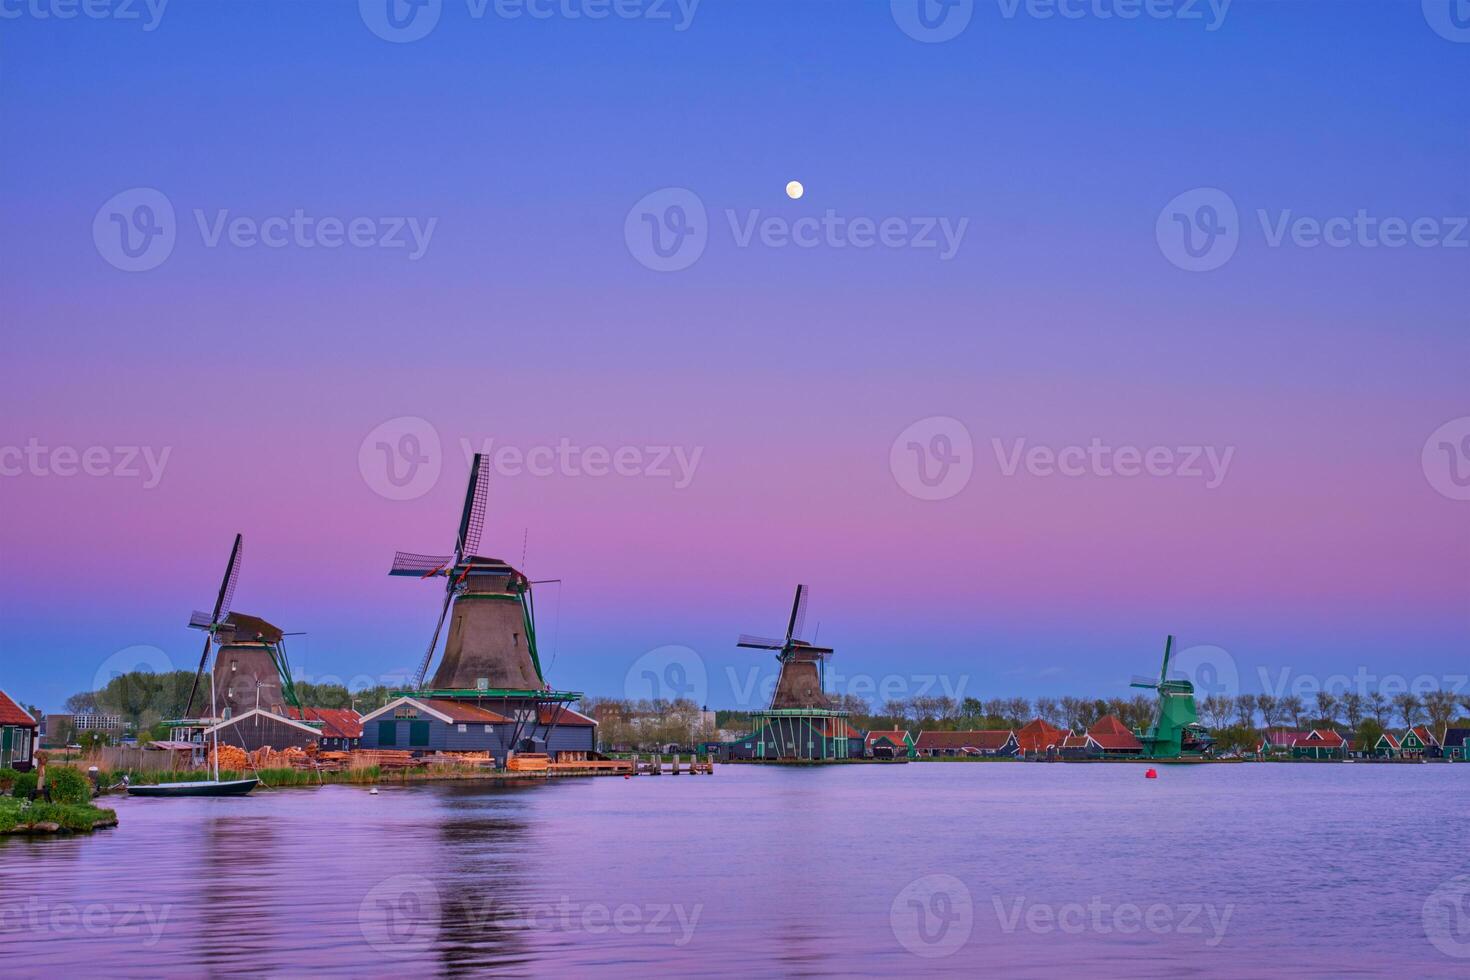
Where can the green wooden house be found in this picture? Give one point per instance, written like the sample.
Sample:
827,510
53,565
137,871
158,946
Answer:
1387,746
895,744
1320,743
17,735
1419,742
1456,744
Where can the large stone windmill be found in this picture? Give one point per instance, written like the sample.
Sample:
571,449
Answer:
251,669
802,724
490,656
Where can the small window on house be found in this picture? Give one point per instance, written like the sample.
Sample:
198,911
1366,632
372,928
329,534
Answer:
464,728
488,729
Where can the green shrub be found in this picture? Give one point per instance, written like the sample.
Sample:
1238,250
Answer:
24,785
7,781
68,786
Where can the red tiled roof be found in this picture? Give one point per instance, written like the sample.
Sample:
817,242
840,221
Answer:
336,722
1323,737
1113,736
1424,734
568,717
13,714
992,740
1038,735
461,713
1393,740
1074,742
830,729
898,737
1283,737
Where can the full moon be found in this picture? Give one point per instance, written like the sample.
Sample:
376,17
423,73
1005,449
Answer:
794,189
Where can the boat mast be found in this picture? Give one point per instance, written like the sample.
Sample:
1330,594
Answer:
214,714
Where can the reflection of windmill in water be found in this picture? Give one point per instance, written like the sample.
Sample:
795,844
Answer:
1176,731
801,724
251,669
488,693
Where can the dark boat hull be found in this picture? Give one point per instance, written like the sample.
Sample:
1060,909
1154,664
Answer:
233,787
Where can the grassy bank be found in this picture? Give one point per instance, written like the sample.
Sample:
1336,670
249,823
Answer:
22,817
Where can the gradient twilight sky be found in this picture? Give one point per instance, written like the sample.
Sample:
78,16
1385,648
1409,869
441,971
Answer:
529,320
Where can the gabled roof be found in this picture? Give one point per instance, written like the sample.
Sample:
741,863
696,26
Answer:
236,719
13,714
833,728
1324,737
336,722
1112,735
460,712
1077,741
1038,734
992,740
1393,741
898,737
1423,733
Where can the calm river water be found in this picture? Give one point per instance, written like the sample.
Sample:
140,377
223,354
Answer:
1014,870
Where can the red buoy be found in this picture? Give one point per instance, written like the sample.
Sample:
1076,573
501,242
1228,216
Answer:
1151,774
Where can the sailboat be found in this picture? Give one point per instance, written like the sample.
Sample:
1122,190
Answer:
211,623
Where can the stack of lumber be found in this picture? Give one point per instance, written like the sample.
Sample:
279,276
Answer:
383,759
528,762
231,758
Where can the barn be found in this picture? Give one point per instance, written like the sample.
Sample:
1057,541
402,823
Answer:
259,728
423,725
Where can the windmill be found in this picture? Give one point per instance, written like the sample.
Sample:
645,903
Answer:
251,668
801,723
1176,730
492,634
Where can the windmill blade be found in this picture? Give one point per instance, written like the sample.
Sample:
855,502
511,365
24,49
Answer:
798,614
198,674
200,620
1140,681
1164,670
418,678
232,576
420,566
759,642
472,521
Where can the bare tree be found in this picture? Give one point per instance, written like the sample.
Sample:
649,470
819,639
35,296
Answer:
1353,709
1020,710
1378,708
1048,709
1270,709
1245,706
1327,707
1217,709
1440,707
1294,708
1408,707
1072,712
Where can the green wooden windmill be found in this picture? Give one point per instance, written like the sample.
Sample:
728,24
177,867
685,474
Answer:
1176,732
